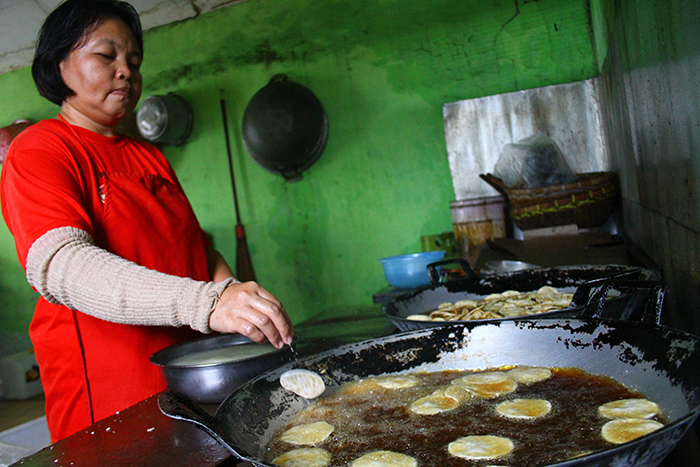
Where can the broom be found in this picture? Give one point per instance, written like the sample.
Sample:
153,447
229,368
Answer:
244,266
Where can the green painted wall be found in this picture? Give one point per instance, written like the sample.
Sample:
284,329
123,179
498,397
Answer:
383,69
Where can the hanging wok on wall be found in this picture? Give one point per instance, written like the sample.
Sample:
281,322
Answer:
285,128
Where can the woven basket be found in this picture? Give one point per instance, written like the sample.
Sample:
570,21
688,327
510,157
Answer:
587,203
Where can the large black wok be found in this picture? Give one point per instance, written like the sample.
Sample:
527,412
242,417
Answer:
662,363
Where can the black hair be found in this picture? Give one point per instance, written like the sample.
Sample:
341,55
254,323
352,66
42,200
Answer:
61,33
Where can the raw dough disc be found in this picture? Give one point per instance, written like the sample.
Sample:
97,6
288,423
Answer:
487,385
308,434
304,457
629,408
384,459
529,374
304,383
524,408
622,430
480,447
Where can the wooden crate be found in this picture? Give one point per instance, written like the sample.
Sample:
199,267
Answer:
587,203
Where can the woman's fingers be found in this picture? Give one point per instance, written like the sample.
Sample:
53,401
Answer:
279,316
250,310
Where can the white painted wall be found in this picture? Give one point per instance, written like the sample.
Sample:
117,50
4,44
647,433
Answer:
476,130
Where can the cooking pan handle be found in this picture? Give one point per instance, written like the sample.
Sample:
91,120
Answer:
465,267
583,292
180,407
643,301
278,78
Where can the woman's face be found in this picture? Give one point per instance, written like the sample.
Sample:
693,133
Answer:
103,71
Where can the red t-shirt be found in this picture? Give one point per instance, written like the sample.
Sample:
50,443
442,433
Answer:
55,178
127,197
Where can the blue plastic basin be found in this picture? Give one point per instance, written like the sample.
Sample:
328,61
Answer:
410,271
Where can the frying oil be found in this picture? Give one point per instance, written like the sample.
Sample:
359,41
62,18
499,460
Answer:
367,417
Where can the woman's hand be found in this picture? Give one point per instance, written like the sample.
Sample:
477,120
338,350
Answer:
249,309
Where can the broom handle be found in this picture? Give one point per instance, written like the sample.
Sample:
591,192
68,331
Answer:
244,266
230,164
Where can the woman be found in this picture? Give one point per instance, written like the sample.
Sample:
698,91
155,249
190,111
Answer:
105,233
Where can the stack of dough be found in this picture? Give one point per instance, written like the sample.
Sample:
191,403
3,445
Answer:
507,304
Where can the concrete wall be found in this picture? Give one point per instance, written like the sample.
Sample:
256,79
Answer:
383,69
650,92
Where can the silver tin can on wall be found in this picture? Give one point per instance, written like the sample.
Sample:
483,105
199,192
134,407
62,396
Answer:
165,119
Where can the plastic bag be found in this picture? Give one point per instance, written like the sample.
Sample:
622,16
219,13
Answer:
533,162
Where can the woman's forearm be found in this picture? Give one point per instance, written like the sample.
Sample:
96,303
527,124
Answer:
68,269
219,269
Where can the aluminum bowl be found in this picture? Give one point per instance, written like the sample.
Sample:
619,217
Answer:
509,266
186,371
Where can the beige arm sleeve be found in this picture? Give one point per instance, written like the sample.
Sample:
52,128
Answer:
67,268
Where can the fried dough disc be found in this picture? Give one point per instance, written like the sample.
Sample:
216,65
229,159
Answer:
367,385
524,408
458,393
629,408
396,381
304,383
304,457
360,386
529,374
547,290
487,385
308,434
384,459
437,402
418,317
480,447
621,430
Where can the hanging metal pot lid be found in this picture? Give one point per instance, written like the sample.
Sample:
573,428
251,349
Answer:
165,119
285,128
